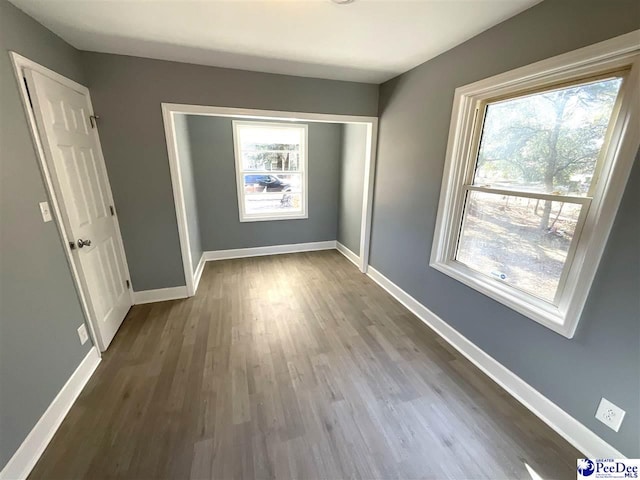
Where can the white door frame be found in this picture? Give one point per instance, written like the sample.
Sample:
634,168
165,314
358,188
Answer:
19,64
171,109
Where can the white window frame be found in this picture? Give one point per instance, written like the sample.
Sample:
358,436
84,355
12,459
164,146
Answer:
618,155
304,152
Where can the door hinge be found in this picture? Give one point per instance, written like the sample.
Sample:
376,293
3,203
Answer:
128,283
113,212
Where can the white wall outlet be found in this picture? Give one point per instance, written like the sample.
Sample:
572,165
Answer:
610,414
82,333
46,211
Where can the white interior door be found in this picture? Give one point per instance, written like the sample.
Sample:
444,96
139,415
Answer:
79,176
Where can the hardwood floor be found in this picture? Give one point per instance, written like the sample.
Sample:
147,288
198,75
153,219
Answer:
294,366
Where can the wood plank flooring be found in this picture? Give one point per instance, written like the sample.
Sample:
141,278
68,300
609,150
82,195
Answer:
294,366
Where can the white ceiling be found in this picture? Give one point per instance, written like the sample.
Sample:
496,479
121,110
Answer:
368,40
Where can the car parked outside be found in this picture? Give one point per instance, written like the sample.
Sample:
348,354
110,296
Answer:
271,182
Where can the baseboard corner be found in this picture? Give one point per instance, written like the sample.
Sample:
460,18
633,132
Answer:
348,253
214,255
197,275
26,456
159,295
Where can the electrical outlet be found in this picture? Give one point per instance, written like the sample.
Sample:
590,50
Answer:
46,211
610,414
82,333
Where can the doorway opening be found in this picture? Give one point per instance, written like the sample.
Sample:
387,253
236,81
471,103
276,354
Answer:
244,179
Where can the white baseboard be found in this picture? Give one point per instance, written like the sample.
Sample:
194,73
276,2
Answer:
173,293
159,295
564,424
25,458
352,257
272,250
198,273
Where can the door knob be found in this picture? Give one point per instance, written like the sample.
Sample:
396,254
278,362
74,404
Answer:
83,243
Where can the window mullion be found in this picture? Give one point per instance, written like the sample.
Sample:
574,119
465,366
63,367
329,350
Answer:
250,150
271,172
526,194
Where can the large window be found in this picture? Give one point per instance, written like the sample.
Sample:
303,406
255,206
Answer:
271,170
533,165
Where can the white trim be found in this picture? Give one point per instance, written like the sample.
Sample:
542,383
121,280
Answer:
178,198
553,197
349,254
159,295
240,173
585,440
253,113
622,46
20,62
198,273
26,456
170,109
367,194
563,315
270,250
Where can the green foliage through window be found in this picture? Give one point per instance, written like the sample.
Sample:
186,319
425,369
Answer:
547,142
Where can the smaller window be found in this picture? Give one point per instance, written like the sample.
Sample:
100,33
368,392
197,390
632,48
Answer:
271,170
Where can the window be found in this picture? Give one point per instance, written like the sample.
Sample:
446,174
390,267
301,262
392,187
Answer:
535,171
271,170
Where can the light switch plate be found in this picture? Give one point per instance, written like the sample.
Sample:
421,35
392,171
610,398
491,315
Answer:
46,211
82,333
609,414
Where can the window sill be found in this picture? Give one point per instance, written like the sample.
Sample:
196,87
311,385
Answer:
534,308
249,218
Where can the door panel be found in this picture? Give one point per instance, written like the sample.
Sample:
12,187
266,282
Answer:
80,180
73,189
98,199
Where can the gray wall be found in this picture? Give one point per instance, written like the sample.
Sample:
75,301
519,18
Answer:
39,307
603,358
354,150
214,169
188,187
127,92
